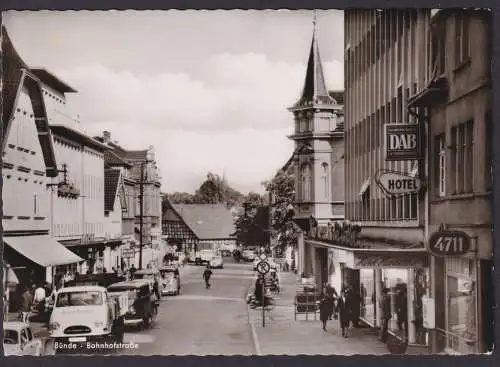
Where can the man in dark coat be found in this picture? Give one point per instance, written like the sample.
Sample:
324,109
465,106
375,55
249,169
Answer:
324,311
259,290
385,305
332,295
206,275
344,312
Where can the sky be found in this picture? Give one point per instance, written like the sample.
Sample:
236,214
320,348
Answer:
208,89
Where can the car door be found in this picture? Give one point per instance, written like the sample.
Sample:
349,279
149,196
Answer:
26,340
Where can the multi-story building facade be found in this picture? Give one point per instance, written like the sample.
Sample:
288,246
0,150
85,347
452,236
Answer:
457,102
80,215
318,161
124,187
29,164
143,168
385,247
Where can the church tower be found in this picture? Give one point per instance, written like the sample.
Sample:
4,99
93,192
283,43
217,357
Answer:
317,137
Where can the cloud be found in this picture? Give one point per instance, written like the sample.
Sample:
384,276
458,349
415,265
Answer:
246,157
227,92
227,115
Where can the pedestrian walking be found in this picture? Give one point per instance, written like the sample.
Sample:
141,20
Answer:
132,271
343,310
324,311
385,305
206,276
26,303
156,289
402,308
331,295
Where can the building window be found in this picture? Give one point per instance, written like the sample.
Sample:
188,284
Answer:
306,182
489,151
462,49
463,141
35,204
441,165
326,182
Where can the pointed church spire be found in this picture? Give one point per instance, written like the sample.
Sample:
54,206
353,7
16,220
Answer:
315,91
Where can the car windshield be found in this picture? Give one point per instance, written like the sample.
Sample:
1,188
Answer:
81,298
10,336
144,276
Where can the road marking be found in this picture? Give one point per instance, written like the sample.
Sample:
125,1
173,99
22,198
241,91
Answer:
138,338
254,337
189,297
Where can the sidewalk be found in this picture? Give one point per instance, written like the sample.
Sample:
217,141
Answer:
283,335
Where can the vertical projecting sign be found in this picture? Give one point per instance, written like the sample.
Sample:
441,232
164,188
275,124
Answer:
402,142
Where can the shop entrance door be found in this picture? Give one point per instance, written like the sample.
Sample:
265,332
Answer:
351,279
322,256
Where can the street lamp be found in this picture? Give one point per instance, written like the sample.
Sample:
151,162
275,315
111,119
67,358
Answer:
141,204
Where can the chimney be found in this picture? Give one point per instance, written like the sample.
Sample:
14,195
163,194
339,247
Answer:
106,136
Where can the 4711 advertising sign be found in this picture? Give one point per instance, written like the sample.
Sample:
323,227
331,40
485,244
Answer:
449,243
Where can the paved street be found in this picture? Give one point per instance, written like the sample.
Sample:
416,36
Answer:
218,321
201,321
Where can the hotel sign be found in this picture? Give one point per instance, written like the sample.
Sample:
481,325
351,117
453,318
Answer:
402,142
397,183
449,243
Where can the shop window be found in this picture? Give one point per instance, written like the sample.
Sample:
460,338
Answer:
461,312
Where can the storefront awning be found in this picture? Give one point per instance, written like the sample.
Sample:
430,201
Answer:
42,250
9,276
391,259
378,257
364,187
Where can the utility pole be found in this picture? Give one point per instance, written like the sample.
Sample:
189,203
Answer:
141,214
270,220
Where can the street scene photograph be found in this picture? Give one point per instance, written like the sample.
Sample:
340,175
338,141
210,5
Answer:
259,182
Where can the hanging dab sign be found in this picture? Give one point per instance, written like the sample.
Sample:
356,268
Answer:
402,142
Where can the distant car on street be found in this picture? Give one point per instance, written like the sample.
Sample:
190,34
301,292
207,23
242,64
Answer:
204,257
170,282
147,274
217,262
18,340
248,255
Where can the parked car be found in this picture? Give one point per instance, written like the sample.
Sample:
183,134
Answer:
217,262
85,313
18,340
147,274
170,281
142,304
248,255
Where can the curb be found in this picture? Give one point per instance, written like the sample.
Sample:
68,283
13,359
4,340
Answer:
255,339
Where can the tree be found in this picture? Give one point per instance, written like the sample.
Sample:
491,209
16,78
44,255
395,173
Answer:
251,224
181,198
282,189
213,190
